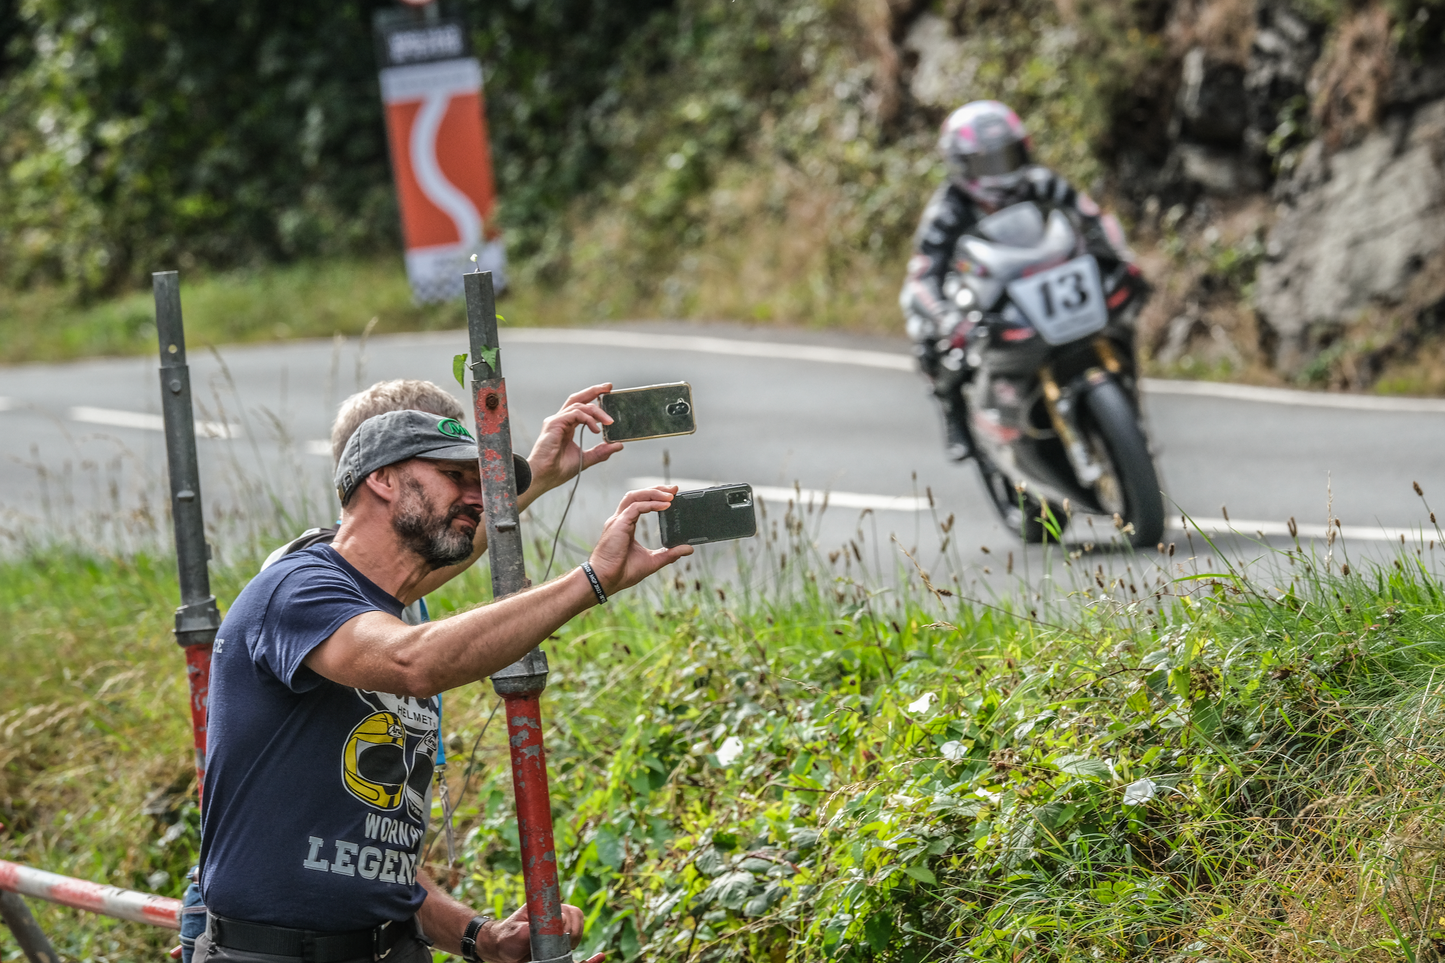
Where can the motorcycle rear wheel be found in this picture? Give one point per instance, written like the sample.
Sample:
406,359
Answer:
1129,474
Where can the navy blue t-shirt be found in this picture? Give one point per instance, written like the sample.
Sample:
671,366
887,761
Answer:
316,795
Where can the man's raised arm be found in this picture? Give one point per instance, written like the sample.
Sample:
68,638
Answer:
376,651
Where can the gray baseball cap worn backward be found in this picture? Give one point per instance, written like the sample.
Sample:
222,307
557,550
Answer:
396,436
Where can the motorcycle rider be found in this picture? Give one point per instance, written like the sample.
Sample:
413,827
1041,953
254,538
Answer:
987,151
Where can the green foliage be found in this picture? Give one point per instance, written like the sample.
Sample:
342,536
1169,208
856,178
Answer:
140,134
135,133
800,768
626,136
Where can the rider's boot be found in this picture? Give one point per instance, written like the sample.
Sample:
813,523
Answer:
948,374
957,438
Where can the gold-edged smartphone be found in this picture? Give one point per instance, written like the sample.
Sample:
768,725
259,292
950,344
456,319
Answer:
654,411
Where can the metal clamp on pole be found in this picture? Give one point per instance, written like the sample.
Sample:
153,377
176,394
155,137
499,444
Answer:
520,684
197,618
196,623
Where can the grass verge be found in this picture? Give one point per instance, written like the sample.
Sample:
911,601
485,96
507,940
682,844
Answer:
1166,760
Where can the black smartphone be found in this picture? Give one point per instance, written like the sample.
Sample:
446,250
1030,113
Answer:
654,411
709,515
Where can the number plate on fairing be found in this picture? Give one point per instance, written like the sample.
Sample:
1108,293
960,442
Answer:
1064,303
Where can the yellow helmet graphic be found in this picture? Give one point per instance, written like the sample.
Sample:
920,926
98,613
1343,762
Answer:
373,764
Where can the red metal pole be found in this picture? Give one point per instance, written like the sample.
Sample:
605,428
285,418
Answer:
522,683
534,816
198,674
197,619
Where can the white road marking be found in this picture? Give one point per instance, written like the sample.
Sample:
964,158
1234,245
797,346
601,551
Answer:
682,342
1288,396
1243,526
896,361
879,503
144,422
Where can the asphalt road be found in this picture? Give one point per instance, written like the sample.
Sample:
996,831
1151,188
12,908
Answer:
80,454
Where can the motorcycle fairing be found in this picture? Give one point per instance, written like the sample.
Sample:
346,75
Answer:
1018,225
1005,263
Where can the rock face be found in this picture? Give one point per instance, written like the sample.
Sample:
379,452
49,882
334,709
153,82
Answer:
1353,230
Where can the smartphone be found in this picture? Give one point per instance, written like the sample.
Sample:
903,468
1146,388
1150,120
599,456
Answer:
709,515
656,411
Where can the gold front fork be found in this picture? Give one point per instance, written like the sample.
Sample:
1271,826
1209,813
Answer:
1105,349
1085,467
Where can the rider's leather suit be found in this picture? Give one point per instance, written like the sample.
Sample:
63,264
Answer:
951,213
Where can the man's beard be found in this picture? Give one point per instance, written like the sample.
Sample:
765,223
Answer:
428,532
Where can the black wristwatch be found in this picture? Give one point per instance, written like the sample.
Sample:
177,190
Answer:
469,938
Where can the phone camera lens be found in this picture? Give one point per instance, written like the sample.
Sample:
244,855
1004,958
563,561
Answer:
739,499
678,409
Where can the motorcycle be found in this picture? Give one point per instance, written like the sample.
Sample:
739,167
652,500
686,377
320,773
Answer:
1053,399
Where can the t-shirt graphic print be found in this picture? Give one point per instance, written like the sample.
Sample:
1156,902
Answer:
388,759
317,795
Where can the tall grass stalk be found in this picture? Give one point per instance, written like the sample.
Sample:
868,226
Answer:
787,751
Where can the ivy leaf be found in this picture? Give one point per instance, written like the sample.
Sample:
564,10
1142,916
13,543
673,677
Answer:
921,873
459,368
609,847
628,943
878,931
802,839
764,901
1083,766
710,862
489,358
730,889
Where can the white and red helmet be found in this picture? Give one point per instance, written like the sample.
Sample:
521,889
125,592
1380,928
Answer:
987,149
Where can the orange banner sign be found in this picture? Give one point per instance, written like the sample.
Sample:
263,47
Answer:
440,158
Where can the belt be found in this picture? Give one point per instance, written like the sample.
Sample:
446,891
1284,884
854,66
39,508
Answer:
312,946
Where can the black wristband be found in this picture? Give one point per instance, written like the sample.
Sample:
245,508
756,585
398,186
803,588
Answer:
469,938
596,584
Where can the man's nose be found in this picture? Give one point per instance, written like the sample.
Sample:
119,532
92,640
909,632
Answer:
472,492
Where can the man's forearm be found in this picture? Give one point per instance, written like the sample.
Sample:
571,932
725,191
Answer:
473,645
443,919
375,651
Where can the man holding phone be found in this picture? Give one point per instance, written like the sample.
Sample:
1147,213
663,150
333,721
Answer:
323,702
554,459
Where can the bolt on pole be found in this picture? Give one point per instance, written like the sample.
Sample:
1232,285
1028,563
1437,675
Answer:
197,619
521,684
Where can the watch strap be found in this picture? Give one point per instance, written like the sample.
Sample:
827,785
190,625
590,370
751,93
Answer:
469,938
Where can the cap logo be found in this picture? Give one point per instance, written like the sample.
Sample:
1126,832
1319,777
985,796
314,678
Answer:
453,428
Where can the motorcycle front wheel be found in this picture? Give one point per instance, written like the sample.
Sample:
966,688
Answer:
1130,485
1021,513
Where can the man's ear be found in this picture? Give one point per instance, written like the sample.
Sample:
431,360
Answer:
385,483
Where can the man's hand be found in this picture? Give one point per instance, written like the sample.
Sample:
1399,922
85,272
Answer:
510,940
619,560
555,457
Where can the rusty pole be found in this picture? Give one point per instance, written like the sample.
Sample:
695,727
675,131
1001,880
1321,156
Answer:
521,684
197,619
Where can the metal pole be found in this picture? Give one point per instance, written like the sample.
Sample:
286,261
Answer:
520,684
28,934
197,619
124,904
